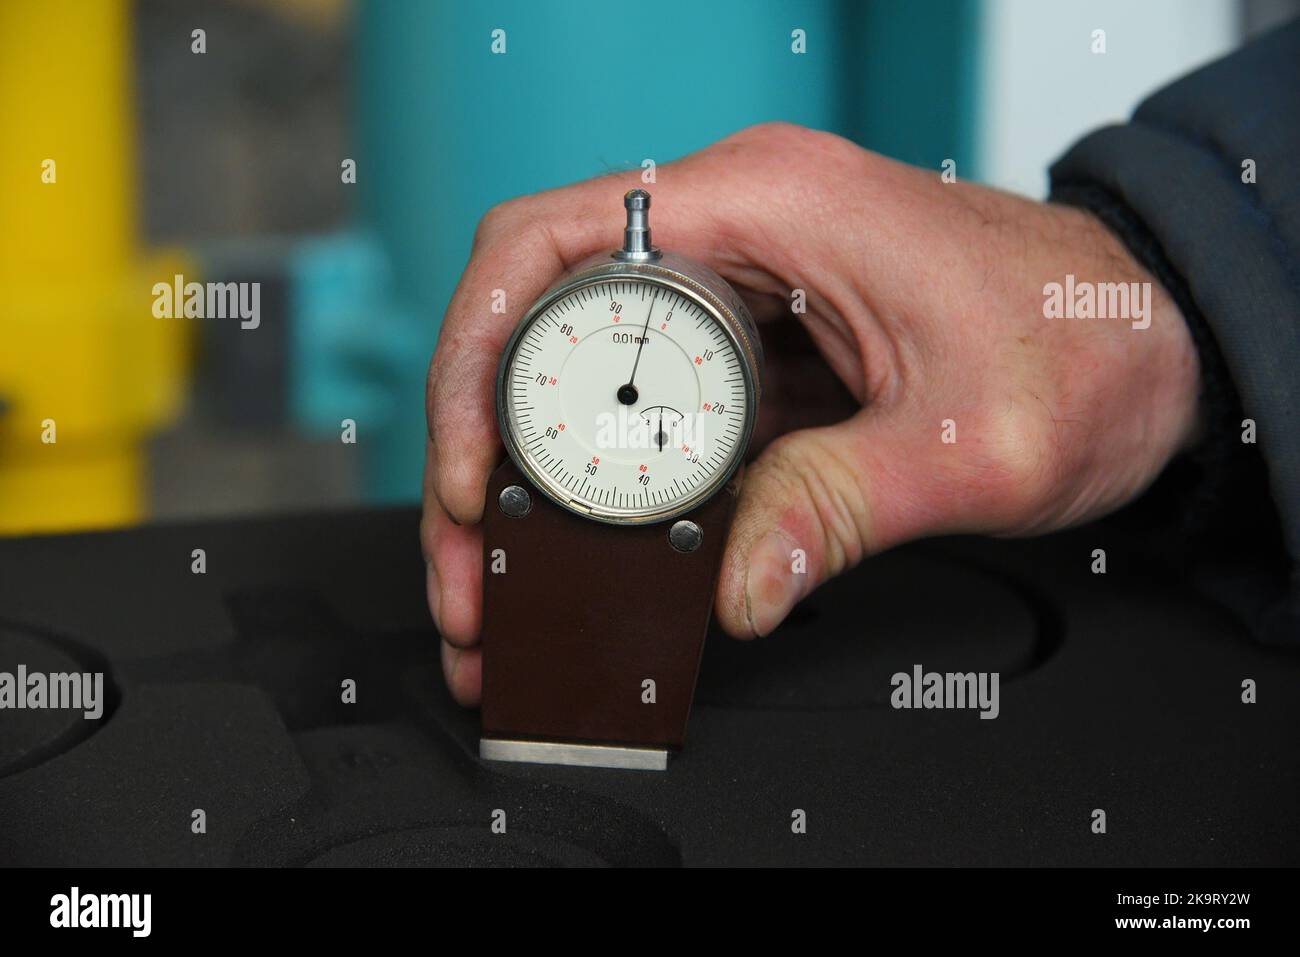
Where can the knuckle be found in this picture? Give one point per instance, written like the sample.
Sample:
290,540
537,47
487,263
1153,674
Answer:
776,131
1017,461
777,147
775,136
496,221
784,136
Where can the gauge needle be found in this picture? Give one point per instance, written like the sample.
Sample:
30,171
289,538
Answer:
660,432
627,394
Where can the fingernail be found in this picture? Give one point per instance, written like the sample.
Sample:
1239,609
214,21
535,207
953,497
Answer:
433,592
771,585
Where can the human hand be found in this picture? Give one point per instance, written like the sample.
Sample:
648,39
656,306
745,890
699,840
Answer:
925,299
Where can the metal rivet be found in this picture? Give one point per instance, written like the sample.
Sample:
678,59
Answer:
685,536
515,501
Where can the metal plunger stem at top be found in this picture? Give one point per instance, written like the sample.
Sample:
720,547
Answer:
636,235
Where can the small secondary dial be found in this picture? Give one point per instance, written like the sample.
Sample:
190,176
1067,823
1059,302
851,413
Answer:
626,398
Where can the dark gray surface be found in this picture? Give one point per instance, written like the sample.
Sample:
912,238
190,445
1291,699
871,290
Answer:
1118,692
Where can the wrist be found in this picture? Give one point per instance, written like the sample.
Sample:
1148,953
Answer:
1187,365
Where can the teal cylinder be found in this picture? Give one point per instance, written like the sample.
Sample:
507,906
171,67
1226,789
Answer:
460,106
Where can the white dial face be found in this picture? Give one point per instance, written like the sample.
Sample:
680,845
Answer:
627,399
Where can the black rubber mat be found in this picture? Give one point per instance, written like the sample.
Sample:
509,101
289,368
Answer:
223,694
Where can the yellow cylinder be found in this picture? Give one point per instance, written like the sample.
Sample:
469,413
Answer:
86,371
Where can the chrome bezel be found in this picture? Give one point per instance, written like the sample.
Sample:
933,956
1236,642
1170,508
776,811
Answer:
695,283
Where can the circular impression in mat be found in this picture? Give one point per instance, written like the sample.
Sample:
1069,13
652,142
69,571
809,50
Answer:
841,646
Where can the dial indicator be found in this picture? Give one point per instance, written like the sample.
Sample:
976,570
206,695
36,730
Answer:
629,398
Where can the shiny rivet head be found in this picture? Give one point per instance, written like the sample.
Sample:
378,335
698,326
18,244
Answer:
685,536
515,501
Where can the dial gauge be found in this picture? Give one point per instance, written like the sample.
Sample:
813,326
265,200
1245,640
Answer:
626,397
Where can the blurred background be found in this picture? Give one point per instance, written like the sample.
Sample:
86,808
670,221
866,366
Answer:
340,154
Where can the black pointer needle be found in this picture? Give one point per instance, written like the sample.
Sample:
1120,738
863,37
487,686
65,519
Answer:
627,394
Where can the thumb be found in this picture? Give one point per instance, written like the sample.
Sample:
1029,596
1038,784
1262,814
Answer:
810,508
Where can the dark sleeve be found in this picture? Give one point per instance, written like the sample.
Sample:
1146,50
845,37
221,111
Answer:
1170,184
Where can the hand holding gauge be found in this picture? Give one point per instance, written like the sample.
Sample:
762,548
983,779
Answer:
923,299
